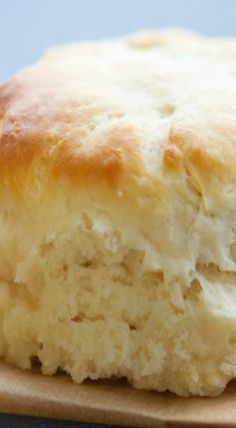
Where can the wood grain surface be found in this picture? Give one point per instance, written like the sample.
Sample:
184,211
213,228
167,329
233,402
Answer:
107,402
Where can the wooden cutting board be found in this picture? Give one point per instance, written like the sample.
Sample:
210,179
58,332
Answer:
30,393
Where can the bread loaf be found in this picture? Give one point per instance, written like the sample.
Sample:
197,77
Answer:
118,212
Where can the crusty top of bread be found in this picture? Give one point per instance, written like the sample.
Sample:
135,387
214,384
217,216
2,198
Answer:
145,106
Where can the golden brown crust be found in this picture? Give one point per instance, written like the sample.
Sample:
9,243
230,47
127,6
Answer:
205,147
102,111
58,130
115,153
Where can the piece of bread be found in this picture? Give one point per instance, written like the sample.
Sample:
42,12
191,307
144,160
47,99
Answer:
118,212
